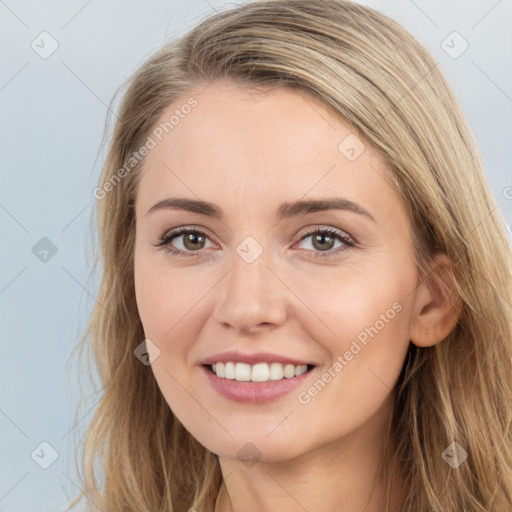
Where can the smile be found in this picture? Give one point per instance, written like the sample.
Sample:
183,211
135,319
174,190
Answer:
238,382
260,372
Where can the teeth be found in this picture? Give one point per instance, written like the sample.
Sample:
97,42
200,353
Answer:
243,372
229,370
289,371
260,372
276,371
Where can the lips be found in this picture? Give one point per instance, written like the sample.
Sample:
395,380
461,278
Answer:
255,392
242,388
255,358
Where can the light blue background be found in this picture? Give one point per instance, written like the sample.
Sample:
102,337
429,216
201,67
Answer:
51,126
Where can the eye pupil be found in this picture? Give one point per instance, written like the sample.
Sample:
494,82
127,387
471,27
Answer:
321,238
195,239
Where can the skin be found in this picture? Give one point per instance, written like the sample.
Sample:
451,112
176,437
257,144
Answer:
249,152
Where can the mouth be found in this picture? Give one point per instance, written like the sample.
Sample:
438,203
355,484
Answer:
259,372
256,383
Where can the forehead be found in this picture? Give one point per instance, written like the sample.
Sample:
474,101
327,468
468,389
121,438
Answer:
258,145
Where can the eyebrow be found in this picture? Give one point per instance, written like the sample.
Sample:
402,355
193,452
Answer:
286,210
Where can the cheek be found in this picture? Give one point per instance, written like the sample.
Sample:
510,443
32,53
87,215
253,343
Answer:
358,302
363,324
172,303
165,297
366,355
165,301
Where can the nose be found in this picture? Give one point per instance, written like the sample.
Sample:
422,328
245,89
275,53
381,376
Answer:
251,297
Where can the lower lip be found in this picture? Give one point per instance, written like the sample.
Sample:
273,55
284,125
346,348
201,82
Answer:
254,392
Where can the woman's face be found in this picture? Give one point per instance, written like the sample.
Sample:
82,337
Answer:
268,277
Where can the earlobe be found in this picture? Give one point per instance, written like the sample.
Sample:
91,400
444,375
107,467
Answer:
437,304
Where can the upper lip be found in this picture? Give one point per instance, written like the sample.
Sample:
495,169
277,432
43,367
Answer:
258,357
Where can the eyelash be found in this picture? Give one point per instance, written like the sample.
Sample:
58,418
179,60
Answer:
334,233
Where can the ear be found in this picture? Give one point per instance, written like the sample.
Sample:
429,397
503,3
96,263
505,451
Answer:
437,305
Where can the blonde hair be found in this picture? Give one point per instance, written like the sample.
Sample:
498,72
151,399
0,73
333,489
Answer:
378,78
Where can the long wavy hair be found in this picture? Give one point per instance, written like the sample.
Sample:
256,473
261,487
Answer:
136,455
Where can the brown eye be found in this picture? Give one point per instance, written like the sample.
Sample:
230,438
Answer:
192,241
325,240
184,242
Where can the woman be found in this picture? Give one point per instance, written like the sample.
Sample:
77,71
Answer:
305,301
